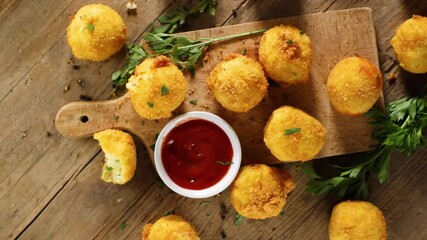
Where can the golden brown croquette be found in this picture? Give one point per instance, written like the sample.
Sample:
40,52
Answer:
293,135
157,88
120,155
260,191
357,220
285,53
238,83
354,85
410,44
171,227
96,33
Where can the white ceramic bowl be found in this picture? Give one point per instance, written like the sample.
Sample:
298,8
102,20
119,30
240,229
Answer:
221,184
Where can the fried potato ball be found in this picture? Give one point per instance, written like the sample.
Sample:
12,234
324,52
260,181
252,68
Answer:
171,227
96,32
157,88
238,83
260,191
354,85
120,155
285,53
410,44
293,135
357,220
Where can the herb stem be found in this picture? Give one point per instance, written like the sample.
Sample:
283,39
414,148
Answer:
211,40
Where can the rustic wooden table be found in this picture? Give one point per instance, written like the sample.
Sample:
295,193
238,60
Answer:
50,186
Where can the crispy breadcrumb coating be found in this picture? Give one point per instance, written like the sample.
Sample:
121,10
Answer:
354,85
157,88
171,227
96,33
357,220
293,135
260,191
285,53
120,155
238,83
410,44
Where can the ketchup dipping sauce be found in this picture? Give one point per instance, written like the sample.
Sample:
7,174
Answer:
197,154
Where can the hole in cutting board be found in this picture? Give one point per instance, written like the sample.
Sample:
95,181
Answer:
84,119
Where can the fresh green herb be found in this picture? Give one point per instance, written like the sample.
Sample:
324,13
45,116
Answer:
116,118
402,130
109,168
161,183
136,55
204,203
224,163
174,19
291,131
193,102
290,42
282,212
185,51
243,51
172,211
123,226
150,104
164,90
89,27
238,220
171,22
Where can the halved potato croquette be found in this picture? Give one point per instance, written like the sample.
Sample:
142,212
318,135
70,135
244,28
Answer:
285,53
120,155
354,85
171,227
260,191
293,135
410,44
238,83
157,88
96,32
357,220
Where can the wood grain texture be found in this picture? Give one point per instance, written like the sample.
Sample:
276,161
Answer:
50,187
343,33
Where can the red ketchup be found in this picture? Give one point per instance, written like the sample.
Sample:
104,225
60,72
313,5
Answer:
196,154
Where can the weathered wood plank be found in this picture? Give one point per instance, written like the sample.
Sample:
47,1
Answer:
43,180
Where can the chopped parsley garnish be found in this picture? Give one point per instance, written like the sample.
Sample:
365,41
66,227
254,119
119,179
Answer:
290,42
122,226
204,203
150,104
238,220
116,118
193,102
164,90
224,163
172,211
89,27
243,52
291,131
109,168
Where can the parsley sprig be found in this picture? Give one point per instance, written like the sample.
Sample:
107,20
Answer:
136,55
173,20
184,51
402,130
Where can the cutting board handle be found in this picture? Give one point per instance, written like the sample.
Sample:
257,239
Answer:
83,119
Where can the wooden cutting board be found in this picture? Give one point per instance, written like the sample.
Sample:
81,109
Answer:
334,35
